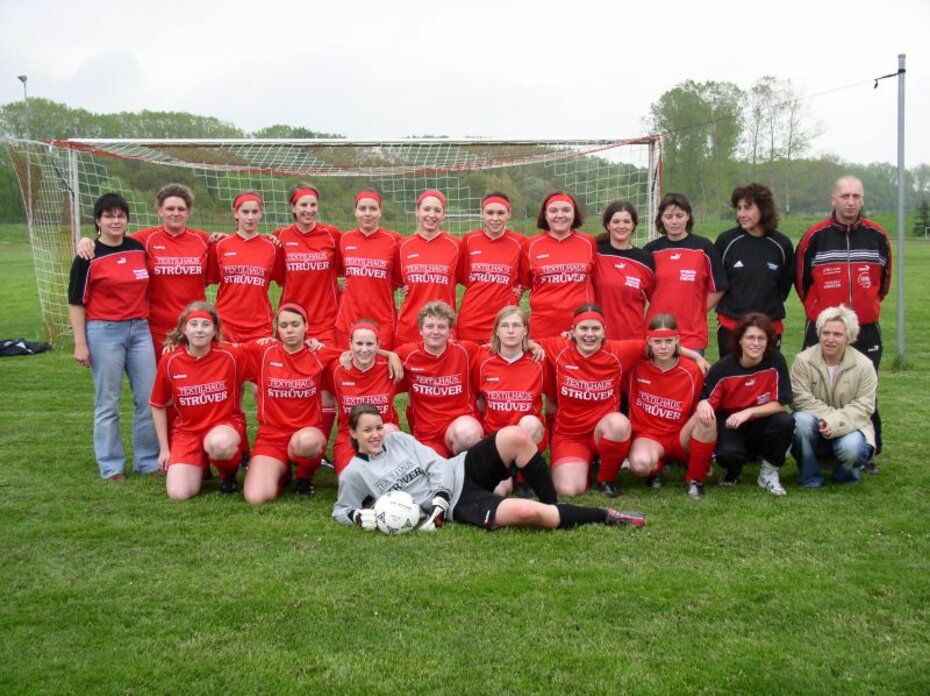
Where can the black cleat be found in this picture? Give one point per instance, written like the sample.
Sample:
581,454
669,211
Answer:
525,492
244,462
228,485
609,488
305,487
695,490
624,518
871,467
654,482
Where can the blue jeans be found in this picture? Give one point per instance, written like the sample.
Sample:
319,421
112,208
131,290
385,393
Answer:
117,347
851,451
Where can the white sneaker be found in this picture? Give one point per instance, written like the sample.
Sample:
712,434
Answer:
768,479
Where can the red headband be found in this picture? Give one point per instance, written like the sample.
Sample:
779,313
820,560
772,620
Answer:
435,194
367,194
200,314
559,198
301,192
590,315
371,326
662,333
245,197
293,307
495,199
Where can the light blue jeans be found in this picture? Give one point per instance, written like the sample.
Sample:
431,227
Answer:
851,451
117,347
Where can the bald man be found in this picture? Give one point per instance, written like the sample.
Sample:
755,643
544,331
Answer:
846,259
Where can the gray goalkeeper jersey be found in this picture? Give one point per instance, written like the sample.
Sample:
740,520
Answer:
403,464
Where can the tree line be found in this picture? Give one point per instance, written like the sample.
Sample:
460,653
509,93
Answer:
717,136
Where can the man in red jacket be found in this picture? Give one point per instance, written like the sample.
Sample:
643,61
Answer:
846,259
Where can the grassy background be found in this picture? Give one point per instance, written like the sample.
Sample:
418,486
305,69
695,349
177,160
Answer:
113,588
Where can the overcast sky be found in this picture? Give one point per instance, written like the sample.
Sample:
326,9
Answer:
372,70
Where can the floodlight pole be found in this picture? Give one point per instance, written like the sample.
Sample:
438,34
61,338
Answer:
902,193
24,79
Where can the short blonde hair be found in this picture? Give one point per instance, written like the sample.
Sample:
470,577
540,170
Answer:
843,314
436,308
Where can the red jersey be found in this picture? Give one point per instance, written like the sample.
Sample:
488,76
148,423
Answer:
372,386
623,282
662,401
312,265
289,385
244,268
177,266
490,269
559,276
687,271
440,387
730,387
112,286
204,390
428,270
588,388
372,273
509,390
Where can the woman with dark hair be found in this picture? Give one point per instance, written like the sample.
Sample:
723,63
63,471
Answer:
428,262
244,264
624,275
559,263
689,275
109,309
758,261
289,376
312,263
664,392
460,488
490,269
746,392
202,378
369,255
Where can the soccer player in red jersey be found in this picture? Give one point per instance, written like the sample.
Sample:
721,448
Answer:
624,275
509,380
428,262
312,263
202,377
289,377
664,392
588,373
746,392
366,379
108,307
176,257
490,270
369,255
559,263
689,274
244,264
437,375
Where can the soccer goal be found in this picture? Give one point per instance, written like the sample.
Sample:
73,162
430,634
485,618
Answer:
61,179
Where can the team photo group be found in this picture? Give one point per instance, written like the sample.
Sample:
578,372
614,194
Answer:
605,370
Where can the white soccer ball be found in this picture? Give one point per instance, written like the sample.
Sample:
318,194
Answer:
396,513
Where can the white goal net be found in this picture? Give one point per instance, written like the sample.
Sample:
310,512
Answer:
62,179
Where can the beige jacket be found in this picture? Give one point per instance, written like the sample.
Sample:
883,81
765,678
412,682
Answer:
846,405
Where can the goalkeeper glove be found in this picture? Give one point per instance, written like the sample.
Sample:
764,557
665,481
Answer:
438,516
365,518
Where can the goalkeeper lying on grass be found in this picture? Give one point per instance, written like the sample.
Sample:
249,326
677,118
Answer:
460,488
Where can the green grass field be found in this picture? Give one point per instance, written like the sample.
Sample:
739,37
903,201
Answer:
113,588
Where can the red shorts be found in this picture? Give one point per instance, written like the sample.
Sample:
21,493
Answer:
187,447
272,443
438,446
343,451
670,444
564,447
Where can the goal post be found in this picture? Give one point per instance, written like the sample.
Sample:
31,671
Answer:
61,179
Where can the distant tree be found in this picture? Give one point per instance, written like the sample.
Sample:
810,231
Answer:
291,132
922,222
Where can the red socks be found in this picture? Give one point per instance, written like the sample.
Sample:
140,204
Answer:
699,460
612,455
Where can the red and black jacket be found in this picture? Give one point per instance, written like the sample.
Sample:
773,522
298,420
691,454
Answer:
844,264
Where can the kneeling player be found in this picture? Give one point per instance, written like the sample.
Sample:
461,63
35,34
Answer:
203,379
461,487
664,392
